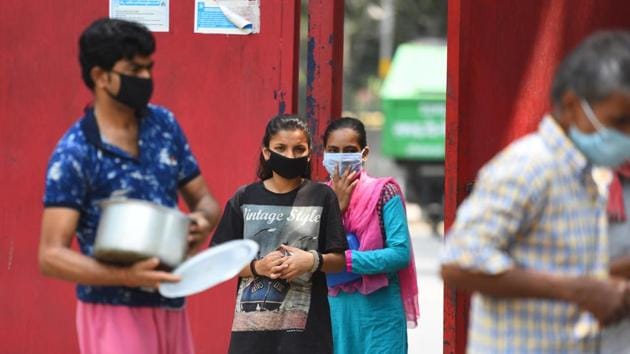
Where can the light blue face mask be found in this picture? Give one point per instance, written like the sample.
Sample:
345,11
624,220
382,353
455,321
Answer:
606,147
344,160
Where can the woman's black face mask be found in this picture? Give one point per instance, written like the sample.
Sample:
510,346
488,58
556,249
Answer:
287,167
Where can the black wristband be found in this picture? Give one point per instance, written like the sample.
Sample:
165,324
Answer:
252,268
321,262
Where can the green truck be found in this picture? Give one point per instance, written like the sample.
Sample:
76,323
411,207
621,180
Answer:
413,99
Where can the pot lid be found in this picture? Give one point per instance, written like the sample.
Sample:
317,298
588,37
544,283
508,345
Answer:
210,267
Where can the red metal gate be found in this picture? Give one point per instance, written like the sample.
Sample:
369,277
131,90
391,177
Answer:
222,89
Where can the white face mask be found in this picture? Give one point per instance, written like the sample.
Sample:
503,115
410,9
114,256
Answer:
606,146
342,160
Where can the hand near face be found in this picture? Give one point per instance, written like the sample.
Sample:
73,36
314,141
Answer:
343,185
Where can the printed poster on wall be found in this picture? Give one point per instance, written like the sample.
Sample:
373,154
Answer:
227,16
152,13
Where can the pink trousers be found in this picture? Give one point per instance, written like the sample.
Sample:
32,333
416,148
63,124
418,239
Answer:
108,329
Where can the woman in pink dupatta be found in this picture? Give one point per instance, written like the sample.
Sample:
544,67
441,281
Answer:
371,312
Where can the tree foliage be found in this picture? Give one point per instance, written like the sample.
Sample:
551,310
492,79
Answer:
414,19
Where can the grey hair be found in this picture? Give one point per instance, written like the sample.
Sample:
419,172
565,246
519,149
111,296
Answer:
599,66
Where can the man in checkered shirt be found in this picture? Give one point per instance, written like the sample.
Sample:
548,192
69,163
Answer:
530,241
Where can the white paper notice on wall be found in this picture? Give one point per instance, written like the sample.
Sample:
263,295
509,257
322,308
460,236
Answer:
227,16
152,13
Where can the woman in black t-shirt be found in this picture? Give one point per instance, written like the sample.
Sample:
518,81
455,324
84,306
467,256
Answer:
281,304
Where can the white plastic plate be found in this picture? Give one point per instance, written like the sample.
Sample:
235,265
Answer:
210,267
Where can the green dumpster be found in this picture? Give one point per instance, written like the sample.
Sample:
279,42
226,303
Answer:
413,101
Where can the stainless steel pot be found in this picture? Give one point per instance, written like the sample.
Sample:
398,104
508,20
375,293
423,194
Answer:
131,230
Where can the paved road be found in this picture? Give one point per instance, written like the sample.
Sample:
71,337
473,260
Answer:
427,337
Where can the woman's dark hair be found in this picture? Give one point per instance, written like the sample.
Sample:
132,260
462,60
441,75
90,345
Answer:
106,41
276,124
350,123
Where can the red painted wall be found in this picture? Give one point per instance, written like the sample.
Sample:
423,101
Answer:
222,88
501,59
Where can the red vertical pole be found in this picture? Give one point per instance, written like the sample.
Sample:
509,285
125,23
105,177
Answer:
456,303
324,71
282,96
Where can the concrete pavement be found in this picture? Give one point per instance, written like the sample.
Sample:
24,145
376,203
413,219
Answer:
427,337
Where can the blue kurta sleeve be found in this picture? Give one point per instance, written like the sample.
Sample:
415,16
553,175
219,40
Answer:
395,253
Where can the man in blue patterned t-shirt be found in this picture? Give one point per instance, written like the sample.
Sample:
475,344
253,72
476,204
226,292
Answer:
122,146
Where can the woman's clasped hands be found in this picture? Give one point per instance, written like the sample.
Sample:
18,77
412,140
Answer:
286,263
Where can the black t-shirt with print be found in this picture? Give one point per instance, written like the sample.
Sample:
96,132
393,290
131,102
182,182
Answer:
274,316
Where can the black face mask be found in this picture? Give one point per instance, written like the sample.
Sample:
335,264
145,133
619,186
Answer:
287,167
134,92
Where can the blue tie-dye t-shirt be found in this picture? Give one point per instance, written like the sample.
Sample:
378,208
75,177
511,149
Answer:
84,169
